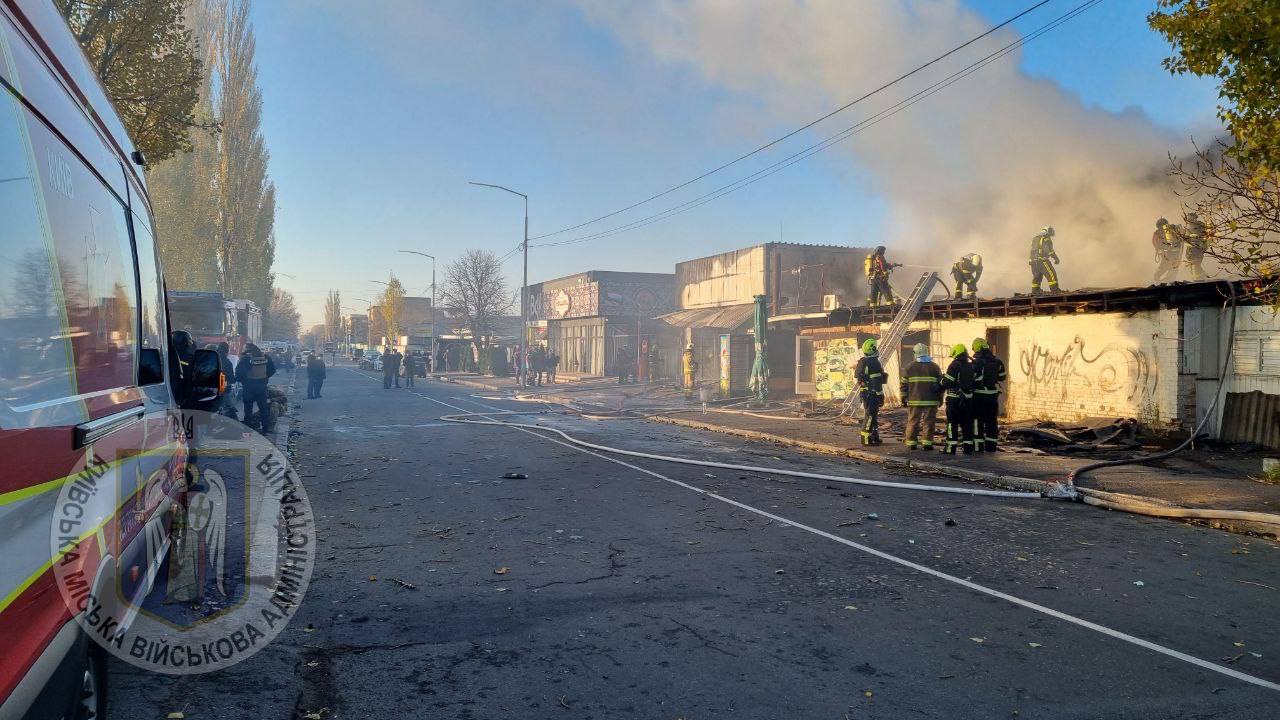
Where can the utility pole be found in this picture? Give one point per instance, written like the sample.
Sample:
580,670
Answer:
524,283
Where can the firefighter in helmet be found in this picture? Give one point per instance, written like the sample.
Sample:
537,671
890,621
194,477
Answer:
959,382
877,270
690,369
1041,254
966,272
869,375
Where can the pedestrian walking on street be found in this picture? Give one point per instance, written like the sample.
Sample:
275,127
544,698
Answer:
959,381
253,371
410,368
989,372
1041,254
870,378
315,375
921,392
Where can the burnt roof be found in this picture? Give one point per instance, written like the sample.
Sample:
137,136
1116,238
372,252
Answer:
1132,299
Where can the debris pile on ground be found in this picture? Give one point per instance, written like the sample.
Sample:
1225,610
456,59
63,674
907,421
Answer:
1088,435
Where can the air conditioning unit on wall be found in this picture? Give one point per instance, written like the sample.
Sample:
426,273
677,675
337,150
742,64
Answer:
830,302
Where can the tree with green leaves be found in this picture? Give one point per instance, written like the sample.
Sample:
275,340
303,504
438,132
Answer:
333,315
145,57
1231,189
391,305
1238,42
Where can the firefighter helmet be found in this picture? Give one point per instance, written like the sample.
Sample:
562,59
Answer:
869,346
958,349
920,350
980,344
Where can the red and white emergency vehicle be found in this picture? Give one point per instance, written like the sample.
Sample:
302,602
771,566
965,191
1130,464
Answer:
86,374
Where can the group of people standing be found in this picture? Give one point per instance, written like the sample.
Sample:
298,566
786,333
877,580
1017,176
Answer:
970,389
537,365
410,365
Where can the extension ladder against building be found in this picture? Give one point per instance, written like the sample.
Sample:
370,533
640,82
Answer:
891,340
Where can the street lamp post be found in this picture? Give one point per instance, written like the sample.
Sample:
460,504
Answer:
433,298
524,283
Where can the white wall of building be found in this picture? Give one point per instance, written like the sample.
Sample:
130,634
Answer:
1068,367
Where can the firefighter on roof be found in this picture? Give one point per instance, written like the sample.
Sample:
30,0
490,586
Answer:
966,272
877,270
1167,243
1041,254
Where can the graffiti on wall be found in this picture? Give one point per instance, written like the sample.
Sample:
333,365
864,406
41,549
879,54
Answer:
1115,370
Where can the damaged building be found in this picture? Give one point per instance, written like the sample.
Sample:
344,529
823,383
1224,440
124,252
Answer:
715,298
1155,354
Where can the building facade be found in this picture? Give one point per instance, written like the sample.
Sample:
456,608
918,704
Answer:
1155,354
716,303
588,319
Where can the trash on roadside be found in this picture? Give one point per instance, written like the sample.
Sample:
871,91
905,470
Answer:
1139,583
502,570
950,523
873,516
514,476
403,583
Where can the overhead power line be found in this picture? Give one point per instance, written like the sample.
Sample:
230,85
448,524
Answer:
834,139
802,128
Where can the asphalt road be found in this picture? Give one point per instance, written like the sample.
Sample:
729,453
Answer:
617,588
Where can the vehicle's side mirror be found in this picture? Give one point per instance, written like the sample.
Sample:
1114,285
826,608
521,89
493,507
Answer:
150,366
207,381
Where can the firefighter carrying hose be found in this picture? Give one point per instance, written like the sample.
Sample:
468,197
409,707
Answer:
966,272
1197,243
877,270
870,378
1166,241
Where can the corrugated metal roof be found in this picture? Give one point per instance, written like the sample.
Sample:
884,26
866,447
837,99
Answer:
729,317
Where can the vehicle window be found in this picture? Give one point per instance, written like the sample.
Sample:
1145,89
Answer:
68,307
151,300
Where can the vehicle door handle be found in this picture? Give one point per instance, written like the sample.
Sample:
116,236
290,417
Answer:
87,432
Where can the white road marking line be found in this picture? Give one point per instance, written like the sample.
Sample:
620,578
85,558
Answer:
1147,644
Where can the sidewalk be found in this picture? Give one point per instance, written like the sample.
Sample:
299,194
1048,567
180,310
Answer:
1202,478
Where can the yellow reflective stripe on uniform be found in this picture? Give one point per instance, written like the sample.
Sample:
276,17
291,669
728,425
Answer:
922,378
922,403
876,375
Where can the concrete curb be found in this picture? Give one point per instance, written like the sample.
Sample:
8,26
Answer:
1011,482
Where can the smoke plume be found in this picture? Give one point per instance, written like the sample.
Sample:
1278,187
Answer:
979,167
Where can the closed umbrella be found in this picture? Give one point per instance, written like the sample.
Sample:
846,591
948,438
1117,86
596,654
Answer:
759,382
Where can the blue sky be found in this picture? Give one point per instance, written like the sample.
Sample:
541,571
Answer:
378,113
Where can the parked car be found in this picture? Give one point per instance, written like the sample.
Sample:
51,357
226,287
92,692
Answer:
372,360
90,371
